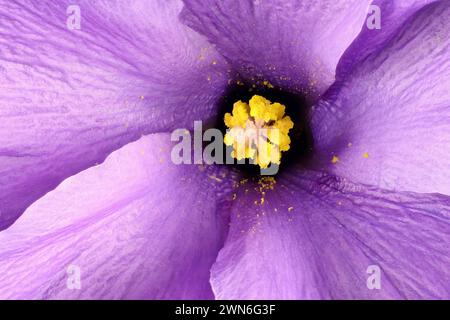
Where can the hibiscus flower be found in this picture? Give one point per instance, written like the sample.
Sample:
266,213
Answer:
88,188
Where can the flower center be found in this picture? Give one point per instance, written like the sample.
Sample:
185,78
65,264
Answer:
258,130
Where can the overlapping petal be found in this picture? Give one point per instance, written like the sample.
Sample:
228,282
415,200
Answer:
136,226
70,97
393,14
318,236
295,45
389,122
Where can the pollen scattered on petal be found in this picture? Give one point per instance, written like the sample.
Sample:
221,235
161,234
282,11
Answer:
268,84
213,177
258,130
335,159
366,155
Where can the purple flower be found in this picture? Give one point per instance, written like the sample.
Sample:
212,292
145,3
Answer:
87,184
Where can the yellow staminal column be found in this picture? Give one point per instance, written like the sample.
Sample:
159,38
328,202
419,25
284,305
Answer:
258,130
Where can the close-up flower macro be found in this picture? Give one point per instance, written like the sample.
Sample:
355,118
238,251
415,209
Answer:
224,149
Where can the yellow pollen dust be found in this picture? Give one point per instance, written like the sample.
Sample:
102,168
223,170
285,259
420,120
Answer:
258,130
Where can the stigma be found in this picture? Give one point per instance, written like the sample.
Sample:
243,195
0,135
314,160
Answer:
258,130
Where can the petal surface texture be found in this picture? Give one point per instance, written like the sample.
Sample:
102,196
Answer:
68,98
389,122
393,15
135,227
315,236
295,45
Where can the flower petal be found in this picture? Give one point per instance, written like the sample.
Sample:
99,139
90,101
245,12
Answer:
389,123
393,14
136,226
293,44
70,97
317,236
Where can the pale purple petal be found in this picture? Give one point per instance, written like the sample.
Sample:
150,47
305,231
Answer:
389,122
393,14
293,44
70,97
315,236
136,226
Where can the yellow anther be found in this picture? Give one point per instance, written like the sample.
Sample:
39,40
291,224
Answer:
259,107
258,131
239,116
285,124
